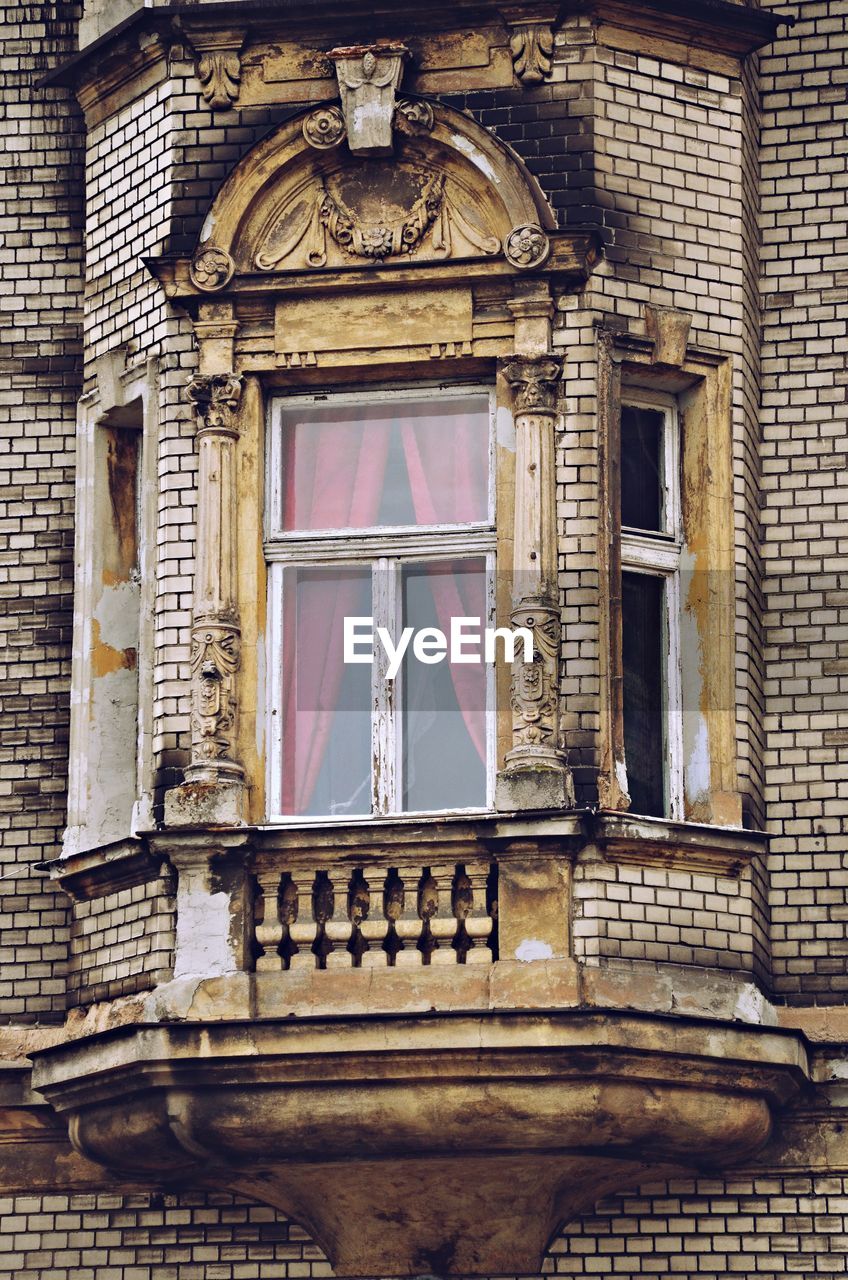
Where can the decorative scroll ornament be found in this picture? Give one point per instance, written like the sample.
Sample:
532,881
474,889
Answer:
219,73
534,383
216,399
532,47
527,246
215,655
533,692
368,77
324,128
211,269
414,116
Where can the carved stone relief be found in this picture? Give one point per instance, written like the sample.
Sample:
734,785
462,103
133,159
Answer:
215,633
375,213
211,269
368,77
218,67
532,47
527,246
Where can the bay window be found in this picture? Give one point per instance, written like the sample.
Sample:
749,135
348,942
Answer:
381,509
651,551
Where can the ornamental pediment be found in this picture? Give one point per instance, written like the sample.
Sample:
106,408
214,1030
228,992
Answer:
303,200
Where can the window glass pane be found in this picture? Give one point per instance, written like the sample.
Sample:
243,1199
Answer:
326,702
644,692
444,704
395,462
641,468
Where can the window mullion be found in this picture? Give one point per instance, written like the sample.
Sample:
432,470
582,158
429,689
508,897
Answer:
384,693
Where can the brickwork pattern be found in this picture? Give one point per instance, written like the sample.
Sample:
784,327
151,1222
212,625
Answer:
749,1224
804,197
666,916
40,355
122,942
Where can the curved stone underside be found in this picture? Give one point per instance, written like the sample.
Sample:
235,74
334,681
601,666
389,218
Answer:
444,1144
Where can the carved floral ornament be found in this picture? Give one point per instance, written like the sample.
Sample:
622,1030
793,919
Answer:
527,246
325,215
216,398
211,268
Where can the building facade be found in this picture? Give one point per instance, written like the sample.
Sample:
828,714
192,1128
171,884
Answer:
531,313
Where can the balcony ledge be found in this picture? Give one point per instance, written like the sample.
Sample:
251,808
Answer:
444,1143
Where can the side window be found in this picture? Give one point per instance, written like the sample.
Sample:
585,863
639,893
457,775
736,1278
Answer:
651,547
380,517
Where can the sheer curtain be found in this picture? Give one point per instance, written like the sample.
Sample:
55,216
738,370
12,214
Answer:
339,480
334,477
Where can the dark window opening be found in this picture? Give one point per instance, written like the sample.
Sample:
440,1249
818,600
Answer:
641,468
644,692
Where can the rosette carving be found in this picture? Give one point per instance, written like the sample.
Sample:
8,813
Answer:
324,128
211,269
527,246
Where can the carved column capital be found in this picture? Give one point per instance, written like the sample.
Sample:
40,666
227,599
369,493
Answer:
215,398
534,383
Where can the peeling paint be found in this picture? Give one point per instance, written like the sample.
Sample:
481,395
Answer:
467,147
533,949
505,428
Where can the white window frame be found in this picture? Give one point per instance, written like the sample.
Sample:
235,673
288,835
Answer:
659,554
388,549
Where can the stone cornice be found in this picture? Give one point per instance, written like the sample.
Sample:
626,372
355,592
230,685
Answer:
716,25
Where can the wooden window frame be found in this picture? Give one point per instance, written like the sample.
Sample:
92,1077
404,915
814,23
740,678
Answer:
387,549
658,554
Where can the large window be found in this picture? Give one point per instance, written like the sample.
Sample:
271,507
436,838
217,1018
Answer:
380,507
651,548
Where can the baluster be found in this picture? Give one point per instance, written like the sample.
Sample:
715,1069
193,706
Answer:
270,929
338,928
372,928
303,930
439,910
470,907
408,922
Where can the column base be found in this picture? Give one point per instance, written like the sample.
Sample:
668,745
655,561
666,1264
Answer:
539,788
202,803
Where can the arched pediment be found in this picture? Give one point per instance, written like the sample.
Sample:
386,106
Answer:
301,200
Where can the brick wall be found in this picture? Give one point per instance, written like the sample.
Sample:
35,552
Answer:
804,195
748,1224
123,941
666,916
40,359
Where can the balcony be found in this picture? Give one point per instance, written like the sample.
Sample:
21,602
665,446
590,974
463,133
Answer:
416,1039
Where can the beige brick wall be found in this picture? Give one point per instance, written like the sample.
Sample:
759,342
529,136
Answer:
40,310
804,195
122,942
748,1224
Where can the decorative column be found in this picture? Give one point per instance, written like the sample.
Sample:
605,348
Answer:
215,631
535,775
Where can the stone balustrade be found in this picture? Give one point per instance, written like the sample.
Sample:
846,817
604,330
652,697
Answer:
375,917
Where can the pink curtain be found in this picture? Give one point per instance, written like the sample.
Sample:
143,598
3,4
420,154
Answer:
448,488
339,481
